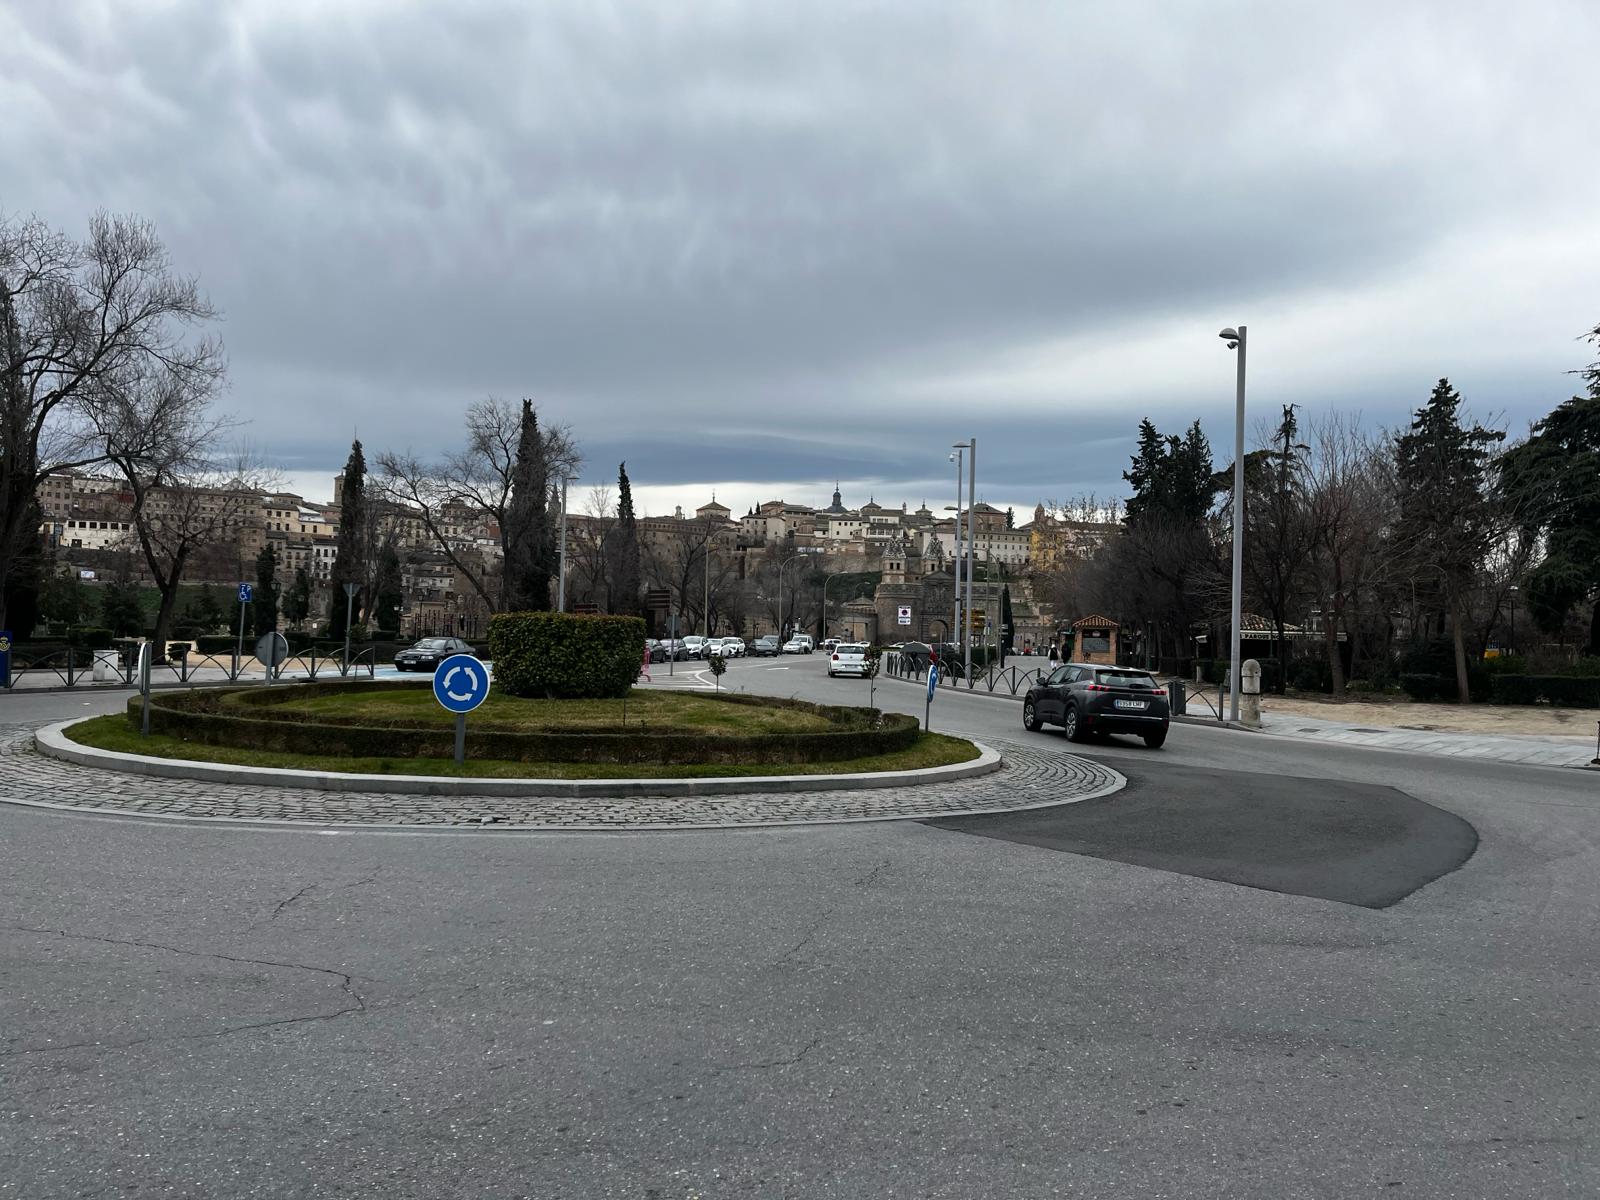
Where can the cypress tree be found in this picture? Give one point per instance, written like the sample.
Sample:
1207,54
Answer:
528,538
266,594
349,564
622,551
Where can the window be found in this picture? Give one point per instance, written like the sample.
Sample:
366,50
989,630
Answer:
1059,676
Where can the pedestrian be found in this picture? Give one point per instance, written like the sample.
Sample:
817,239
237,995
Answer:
644,667
1052,652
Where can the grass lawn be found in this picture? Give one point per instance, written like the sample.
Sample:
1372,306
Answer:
653,711
114,733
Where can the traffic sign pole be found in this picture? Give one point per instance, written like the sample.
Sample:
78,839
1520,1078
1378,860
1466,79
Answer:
460,684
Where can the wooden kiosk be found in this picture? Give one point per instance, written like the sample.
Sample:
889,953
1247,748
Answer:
1094,640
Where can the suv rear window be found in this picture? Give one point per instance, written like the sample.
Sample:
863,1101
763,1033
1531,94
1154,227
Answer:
1125,678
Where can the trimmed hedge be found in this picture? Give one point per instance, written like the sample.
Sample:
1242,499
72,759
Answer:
564,656
1568,691
244,718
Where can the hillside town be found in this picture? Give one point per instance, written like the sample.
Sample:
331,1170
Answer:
707,571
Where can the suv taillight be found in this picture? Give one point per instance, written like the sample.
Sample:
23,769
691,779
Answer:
1096,687
1158,691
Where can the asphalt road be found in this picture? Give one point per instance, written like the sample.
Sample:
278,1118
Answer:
875,1010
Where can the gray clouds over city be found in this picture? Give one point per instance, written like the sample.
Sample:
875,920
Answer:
759,246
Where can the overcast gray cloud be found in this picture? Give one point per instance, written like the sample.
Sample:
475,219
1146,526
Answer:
762,245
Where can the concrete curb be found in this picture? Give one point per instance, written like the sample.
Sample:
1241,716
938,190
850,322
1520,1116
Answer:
52,742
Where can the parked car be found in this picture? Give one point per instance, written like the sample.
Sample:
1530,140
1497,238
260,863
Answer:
728,647
848,658
429,653
1089,700
674,649
798,644
657,649
695,645
766,647
829,645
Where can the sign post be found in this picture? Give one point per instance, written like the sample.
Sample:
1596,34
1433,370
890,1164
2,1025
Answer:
273,650
5,658
460,684
904,614
350,590
933,683
144,689
246,595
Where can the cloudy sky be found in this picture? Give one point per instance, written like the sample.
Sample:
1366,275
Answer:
757,246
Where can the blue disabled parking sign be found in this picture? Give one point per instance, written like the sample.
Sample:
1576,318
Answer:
461,683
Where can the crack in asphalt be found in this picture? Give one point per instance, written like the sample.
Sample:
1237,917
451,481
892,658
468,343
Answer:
283,904
346,985
774,1062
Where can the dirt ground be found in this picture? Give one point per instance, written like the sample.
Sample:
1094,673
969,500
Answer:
1445,718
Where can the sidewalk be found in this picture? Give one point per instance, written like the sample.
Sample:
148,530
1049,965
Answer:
1549,750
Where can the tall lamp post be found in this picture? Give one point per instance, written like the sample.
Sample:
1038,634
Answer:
561,575
781,569
972,553
1511,633
1236,341
959,458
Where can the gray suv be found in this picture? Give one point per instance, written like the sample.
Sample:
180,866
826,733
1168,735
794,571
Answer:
1089,700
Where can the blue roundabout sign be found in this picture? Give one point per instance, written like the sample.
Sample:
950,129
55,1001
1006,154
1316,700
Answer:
461,683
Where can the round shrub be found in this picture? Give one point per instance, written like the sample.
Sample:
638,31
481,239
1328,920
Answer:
565,656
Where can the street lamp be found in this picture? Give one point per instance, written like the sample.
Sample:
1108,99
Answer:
1236,341
781,569
561,576
971,446
1511,635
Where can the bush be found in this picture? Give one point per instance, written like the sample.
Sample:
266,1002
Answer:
91,637
1312,675
217,643
564,656
1427,689
1571,691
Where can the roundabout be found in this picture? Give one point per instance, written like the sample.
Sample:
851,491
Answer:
260,756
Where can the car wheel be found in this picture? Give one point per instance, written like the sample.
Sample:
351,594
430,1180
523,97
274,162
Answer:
1155,740
1074,728
1030,718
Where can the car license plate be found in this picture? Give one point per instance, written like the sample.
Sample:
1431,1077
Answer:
1137,704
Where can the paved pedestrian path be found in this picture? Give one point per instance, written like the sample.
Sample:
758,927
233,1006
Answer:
1030,778
1517,747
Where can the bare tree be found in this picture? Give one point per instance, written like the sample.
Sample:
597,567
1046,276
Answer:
1350,495
479,479
79,322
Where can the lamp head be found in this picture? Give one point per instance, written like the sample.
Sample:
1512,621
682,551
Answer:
1231,336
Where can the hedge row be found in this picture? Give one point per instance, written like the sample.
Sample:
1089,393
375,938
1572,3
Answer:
204,716
1568,691
564,656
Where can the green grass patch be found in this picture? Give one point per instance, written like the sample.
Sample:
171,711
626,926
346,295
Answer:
650,711
114,733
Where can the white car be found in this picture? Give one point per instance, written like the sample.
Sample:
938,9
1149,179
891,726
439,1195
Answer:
797,645
849,658
728,647
696,645
829,645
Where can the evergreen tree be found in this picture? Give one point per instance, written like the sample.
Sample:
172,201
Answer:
297,600
1445,508
63,600
388,592
266,590
203,613
1552,482
1011,518
528,537
350,561
120,608
622,551
1145,475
